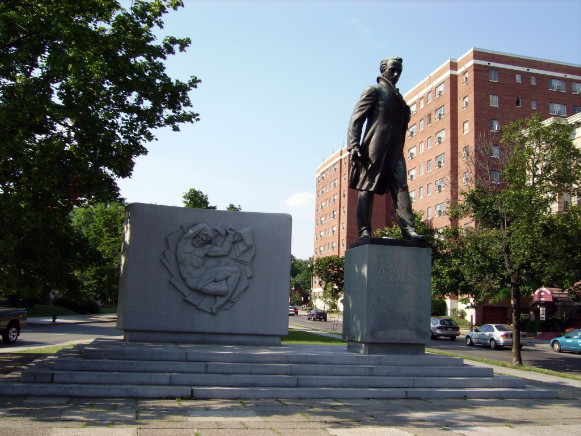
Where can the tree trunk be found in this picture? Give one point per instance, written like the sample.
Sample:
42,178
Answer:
514,298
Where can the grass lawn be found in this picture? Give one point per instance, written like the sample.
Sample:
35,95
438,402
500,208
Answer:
306,338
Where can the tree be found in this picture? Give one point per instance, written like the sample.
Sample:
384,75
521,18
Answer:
234,208
102,227
301,273
82,88
541,161
197,200
330,270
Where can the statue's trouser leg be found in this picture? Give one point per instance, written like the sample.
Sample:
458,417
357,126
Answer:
364,209
401,198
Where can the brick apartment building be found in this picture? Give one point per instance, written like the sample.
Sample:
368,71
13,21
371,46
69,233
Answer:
457,111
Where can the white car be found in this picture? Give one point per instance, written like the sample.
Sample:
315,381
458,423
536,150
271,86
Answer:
492,335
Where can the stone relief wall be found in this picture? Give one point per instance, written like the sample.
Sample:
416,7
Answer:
211,266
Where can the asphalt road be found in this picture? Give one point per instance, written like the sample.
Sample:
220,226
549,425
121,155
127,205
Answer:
53,334
537,354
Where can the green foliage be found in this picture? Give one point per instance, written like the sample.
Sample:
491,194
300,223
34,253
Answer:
301,273
102,227
329,270
82,88
197,200
438,307
517,243
234,208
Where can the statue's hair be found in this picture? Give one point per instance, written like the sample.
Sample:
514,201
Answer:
383,63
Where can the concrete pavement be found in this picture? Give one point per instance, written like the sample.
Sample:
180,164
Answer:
143,417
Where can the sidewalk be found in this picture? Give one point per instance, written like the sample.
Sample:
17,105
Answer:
73,319
132,417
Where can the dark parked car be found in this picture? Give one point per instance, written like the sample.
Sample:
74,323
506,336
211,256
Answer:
11,322
446,327
317,314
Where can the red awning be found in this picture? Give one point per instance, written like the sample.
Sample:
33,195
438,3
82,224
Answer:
550,294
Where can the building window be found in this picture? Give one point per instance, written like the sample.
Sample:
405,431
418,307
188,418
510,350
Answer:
440,136
495,177
518,78
413,109
429,165
422,124
518,102
558,109
429,97
422,103
495,151
466,152
429,189
429,142
576,110
429,119
465,127
413,196
439,90
412,152
465,103
493,100
412,131
465,78
493,75
533,80
412,174
494,125
440,209
533,104
429,212
421,192
440,112
421,147
421,170
557,85
440,185
576,88
440,160
466,178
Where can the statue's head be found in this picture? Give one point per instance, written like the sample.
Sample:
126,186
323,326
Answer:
201,234
391,69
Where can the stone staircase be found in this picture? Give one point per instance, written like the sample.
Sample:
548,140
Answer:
112,368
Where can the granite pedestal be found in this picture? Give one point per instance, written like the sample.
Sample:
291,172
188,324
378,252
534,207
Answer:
204,276
387,297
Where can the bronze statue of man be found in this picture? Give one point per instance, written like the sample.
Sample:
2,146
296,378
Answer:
377,160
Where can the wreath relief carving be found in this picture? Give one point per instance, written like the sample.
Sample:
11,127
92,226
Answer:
210,266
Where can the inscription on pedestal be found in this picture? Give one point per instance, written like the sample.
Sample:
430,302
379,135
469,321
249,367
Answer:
387,299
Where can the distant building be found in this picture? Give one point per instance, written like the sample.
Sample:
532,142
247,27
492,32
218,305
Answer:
457,112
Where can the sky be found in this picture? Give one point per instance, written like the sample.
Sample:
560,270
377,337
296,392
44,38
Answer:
280,80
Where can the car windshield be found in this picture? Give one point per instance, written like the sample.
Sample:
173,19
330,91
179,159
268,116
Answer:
447,322
503,328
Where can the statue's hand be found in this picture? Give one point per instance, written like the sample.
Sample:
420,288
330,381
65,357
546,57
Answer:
356,155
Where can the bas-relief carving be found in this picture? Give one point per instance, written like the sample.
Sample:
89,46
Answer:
210,266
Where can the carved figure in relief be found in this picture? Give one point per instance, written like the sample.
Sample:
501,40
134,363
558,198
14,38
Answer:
213,263
377,160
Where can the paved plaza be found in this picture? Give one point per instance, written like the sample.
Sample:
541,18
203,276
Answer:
95,417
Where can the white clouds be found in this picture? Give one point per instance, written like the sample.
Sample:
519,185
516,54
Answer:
301,200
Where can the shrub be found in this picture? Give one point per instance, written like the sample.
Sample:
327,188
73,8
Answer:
438,307
83,307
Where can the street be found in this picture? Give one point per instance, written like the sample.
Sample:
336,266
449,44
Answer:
537,354
53,334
